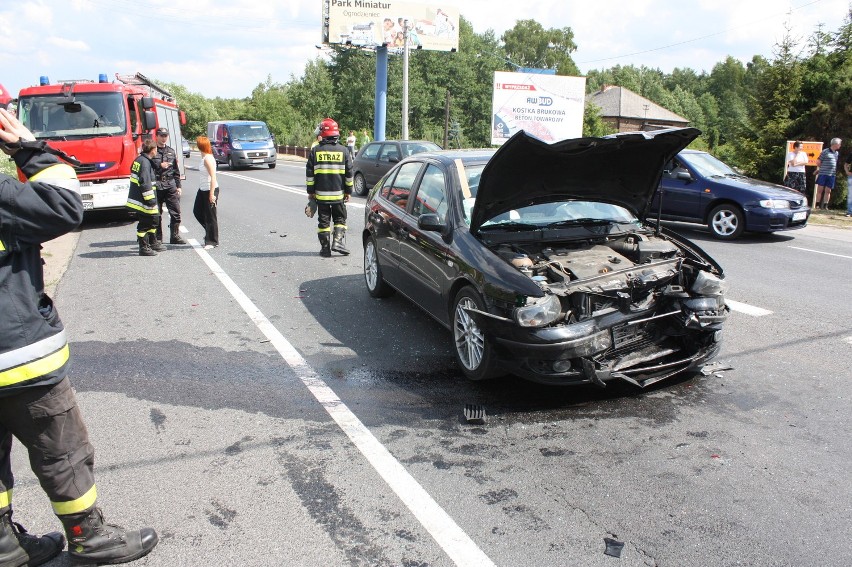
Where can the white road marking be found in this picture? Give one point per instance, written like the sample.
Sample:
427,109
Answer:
819,252
747,309
295,190
848,340
452,539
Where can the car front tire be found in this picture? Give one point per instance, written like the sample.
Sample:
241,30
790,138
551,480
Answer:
360,185
231,163
473,352
726,222
376,284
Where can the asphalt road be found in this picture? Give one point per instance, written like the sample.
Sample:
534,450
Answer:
257,407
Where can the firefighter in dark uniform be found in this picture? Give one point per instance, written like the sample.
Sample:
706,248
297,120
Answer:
168,186
142,199
329,181
37,402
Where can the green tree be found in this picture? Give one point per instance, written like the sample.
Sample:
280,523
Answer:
528,44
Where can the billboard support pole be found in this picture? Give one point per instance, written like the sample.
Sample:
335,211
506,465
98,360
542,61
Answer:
380,109
405,82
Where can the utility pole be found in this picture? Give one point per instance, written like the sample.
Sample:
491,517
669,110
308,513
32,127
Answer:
447,121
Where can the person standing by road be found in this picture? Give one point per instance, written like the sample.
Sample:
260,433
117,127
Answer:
329,181
796,162
168,186
826,174
37,402
350,143
207,197
142,199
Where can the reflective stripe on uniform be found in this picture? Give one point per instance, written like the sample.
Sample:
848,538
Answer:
36,368
2,246
60,174
76,506
326,229
337,197
6,498
33,351
343,226
141,207
330,169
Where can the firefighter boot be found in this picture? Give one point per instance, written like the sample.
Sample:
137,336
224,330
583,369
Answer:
92,542
325,250
338,244
18,548
175,236
144,248
155,243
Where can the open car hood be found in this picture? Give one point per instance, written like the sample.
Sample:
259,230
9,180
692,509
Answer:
623,169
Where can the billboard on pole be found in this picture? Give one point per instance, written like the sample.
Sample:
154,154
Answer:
550,107
367,23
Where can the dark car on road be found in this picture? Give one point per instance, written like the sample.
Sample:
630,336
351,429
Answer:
539,260
376,158
698,188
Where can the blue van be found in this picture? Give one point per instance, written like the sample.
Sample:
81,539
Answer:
242,143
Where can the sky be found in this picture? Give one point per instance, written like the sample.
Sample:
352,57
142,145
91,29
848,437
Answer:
226,49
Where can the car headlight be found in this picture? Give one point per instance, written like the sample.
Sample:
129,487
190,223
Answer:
774,204
236,145
708,284
544,311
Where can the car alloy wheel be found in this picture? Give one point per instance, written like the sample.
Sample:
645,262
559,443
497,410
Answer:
376,285
473,352
360,185
726,222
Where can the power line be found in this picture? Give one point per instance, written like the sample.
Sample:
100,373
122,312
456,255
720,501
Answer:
748,24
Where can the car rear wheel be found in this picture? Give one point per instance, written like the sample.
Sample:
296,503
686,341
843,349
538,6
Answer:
726,222
376,284
360,187
473,352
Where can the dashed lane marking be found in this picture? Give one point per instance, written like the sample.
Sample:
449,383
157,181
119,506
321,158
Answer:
820,252
747,309
452,539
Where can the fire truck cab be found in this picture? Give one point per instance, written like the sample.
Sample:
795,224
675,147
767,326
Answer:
101,124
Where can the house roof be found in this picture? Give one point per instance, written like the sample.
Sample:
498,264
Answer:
619,102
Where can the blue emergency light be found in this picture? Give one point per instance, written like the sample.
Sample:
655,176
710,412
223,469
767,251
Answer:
43,80
102,78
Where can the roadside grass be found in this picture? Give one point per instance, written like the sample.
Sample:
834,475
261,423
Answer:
831,217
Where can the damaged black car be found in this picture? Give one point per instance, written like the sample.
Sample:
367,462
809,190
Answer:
542,260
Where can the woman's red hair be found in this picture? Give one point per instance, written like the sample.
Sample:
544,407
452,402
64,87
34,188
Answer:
203,143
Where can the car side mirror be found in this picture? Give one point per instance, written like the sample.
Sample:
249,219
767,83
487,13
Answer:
430,222
393,159
685,175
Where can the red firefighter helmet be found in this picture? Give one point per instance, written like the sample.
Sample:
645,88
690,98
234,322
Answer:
328,128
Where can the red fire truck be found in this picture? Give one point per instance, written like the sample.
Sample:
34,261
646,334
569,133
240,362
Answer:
101,124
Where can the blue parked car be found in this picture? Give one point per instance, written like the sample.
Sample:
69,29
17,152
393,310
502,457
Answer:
698,188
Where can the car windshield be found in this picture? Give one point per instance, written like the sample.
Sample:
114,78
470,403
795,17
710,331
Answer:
411,148
89,114
707,165
249,132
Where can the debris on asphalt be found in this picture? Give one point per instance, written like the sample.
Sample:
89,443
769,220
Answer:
714,367
613,547
474,414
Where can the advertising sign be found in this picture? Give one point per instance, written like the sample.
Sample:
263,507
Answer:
366,23
550,107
